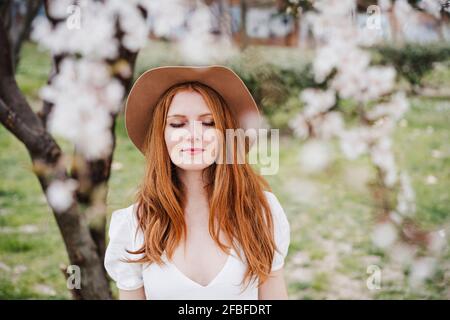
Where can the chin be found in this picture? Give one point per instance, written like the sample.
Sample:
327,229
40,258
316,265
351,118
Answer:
193,167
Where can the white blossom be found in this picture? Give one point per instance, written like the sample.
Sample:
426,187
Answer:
116,166
160,11
406,197
359,81
382,157
59,8
299,125
421,269
327,58
354,142
437,154
432,6
99,42
83,96
60,194
380,81
199,46
317,101
402,253
395,217
404,13
395,108
314,156
329,125
351,79
430,179
437,241
384,234
134,26
385,4
96,36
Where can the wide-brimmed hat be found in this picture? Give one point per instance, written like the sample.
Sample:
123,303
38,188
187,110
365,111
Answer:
152,84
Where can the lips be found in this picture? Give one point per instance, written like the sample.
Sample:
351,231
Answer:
193,150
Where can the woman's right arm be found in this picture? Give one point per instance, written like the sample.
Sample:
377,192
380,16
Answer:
127,275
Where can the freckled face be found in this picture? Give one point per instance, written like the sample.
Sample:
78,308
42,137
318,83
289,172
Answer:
190,134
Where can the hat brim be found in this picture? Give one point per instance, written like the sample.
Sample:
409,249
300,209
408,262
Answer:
152,84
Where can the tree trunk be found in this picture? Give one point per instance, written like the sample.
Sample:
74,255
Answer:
243,31
18,24
17,116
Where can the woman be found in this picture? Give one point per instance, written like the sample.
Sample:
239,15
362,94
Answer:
202,226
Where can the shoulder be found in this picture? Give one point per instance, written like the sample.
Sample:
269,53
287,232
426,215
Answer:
281,230
128,276
272,198
276,208
124,213
123,221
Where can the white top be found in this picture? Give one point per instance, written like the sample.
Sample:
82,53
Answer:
167,281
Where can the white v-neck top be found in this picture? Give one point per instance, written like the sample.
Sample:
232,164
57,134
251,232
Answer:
167,281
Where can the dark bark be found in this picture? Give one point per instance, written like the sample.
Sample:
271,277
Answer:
18,24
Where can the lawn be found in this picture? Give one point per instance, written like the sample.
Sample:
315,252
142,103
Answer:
330,212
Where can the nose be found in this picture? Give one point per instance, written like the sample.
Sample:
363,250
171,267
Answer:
195,131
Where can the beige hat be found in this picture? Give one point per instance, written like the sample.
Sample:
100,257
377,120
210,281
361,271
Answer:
153,83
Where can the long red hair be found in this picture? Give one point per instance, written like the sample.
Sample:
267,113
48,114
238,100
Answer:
235,195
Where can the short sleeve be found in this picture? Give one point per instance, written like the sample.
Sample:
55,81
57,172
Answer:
281,231
128,276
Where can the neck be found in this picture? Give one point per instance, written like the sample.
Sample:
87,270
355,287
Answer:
194,185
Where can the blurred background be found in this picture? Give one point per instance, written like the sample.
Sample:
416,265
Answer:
351,236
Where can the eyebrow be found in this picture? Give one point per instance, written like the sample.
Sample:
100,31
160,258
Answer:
183,116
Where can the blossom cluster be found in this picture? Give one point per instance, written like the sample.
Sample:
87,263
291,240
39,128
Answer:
85,91
344,67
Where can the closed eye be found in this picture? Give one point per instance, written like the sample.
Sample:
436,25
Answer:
209,124
179,125
176,125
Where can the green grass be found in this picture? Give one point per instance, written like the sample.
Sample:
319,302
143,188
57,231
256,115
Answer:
330,214
33,70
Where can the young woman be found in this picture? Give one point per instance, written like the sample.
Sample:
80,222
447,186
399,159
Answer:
202,226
